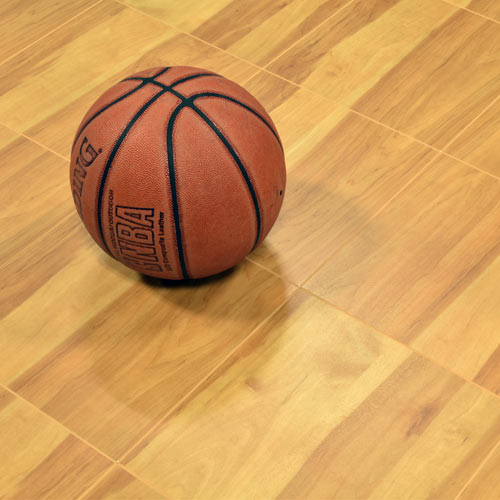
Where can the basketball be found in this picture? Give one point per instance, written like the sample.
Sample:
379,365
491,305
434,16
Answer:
177,172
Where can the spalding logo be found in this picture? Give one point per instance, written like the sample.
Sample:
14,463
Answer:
85,158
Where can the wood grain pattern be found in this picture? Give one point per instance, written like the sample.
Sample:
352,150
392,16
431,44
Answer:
254,30
77,290
342,168
441,98
489,8
120,485
40,459
351,52
361,56
76,64
251,434
485,486
489,375
121,371
40,230
418,256
478,145
20,23
465,336
244,386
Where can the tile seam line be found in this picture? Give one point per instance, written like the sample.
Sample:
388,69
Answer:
371,219
178,30
86,9
249,258
34,141
108,471
476,118
440,151
186,398
112,461
57,422
401,343
478,470
98,481
471,11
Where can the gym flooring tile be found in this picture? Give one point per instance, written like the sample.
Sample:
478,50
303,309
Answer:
44,93
318,405
402,63
424,271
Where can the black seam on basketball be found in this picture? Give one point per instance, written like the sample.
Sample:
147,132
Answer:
92,118
173,188
117,100
236,101
189,102
173,84
238,162
211,94
192,77
111,157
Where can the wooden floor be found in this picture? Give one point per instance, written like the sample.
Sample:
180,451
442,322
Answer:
355,354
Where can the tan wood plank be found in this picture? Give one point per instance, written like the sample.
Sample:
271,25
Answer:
418,257
319,406
40,459
46,92
22,23
57,303
39,224
120,485
489,8
478,144
489,375
254,30
485,485
402,62
316,404
342,168
465,336
54,278
130,363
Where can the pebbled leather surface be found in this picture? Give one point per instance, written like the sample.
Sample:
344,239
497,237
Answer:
208,223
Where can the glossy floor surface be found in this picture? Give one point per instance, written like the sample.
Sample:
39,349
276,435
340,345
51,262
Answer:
354,354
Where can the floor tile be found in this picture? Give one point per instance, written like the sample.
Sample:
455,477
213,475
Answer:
127,366
489,8
25,22
43,459
350,53
46,92
254,30
478,144
401,62
342,168
86,282
39,224
465,337
299,411
419,255
485,485
120,485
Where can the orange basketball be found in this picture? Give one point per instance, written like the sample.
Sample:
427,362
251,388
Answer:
177,172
